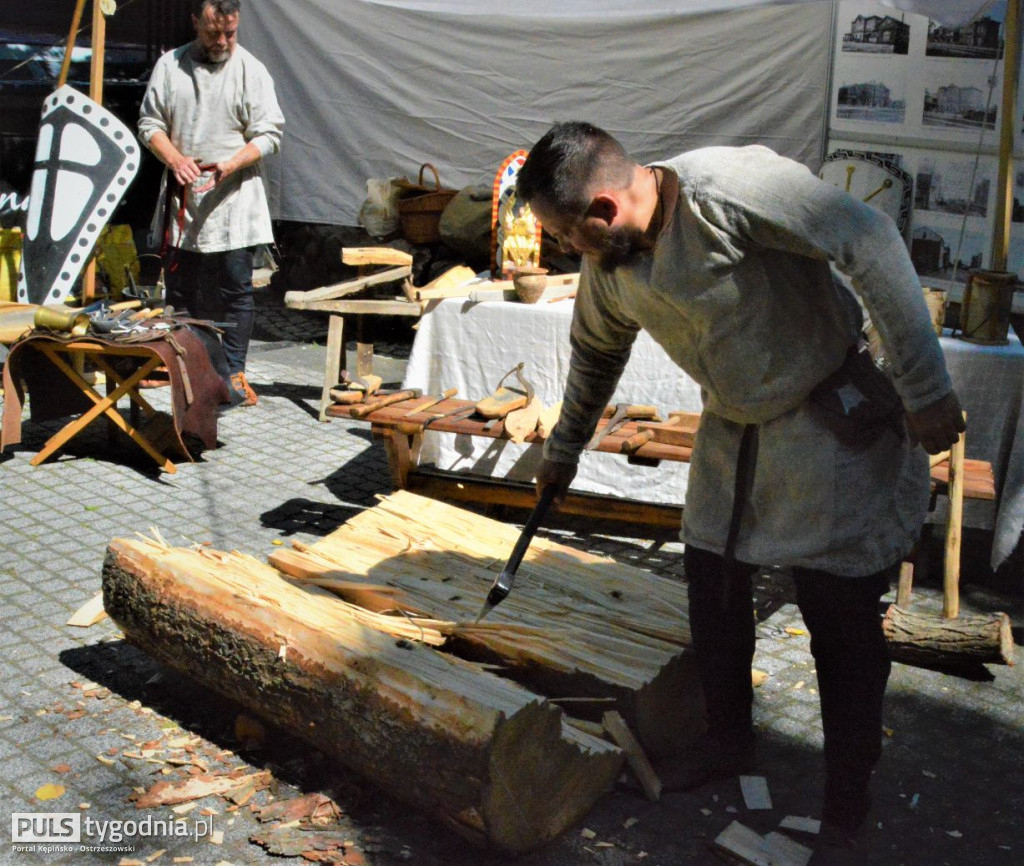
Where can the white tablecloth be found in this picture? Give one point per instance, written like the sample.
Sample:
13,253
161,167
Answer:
990,383
470,346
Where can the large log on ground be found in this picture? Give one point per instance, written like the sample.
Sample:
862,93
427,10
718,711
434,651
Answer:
597,634
491,759
922,639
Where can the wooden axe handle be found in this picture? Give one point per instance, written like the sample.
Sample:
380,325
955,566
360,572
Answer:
636,441
364,409
431,401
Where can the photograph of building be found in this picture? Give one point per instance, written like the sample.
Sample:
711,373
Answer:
877,34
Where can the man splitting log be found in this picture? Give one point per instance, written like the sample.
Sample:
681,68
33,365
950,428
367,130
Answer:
806,453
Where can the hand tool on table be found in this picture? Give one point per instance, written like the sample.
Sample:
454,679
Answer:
345,396
367,384
623,413
364,409
637,441
432,401
412,428
502,585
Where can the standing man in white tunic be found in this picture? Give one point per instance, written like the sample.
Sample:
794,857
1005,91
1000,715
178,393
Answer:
806,453
210,114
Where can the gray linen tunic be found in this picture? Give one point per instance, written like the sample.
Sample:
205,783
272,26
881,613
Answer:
211,111
739,291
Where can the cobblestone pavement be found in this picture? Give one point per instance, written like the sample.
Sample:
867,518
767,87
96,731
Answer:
82,710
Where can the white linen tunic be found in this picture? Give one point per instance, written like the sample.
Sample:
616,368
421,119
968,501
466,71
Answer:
740,293
211,111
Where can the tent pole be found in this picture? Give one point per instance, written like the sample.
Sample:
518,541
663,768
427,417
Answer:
1008,120
99,35
65,65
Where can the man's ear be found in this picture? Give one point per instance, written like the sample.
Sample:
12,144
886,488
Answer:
603,207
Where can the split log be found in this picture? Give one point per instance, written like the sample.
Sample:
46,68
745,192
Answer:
576,626
920,639
492,760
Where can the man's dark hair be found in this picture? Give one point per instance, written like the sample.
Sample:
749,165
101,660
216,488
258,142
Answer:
565,165
221,7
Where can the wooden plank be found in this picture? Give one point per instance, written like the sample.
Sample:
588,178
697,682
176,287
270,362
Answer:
451,284
348,287
371,306
462,487
679,429
357,256
616,726
979,481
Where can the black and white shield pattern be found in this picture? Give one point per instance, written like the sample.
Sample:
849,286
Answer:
85,160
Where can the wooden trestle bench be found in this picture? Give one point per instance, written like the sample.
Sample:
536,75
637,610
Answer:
952,475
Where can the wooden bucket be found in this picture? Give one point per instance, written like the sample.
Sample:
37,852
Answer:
985,308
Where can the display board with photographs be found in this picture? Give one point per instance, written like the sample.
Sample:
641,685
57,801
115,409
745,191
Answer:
928,97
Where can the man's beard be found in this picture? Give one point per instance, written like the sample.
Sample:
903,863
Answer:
621,246
207,55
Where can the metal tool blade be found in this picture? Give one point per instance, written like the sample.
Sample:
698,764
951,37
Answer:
616,421
502,585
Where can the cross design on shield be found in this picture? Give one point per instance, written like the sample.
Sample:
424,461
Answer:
85,160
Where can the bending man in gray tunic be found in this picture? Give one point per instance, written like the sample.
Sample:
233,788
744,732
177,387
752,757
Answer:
210,115
806,454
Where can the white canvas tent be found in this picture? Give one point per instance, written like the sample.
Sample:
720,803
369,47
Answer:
374,88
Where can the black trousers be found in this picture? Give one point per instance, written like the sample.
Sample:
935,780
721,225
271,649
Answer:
218,287
849,650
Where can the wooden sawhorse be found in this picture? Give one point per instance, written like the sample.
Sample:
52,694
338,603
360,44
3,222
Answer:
60,354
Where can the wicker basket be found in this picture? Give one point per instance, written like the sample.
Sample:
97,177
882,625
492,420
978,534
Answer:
420,208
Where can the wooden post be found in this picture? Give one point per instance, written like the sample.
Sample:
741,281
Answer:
333,362
99,35
1007,123
954,530
76,20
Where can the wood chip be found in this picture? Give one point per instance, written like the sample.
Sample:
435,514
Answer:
755,792
798,824
89,613
635,755
217,837
744,844
785,851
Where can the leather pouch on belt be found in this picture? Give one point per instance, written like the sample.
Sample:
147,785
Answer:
858,402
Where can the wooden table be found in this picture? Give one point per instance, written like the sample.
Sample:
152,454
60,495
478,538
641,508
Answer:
402,436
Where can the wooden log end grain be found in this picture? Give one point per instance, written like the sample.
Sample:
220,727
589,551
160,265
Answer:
487,757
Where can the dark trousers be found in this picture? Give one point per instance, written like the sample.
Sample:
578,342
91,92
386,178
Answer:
849,650
218,287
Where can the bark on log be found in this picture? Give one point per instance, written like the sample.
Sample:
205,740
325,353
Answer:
489,758
920,639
